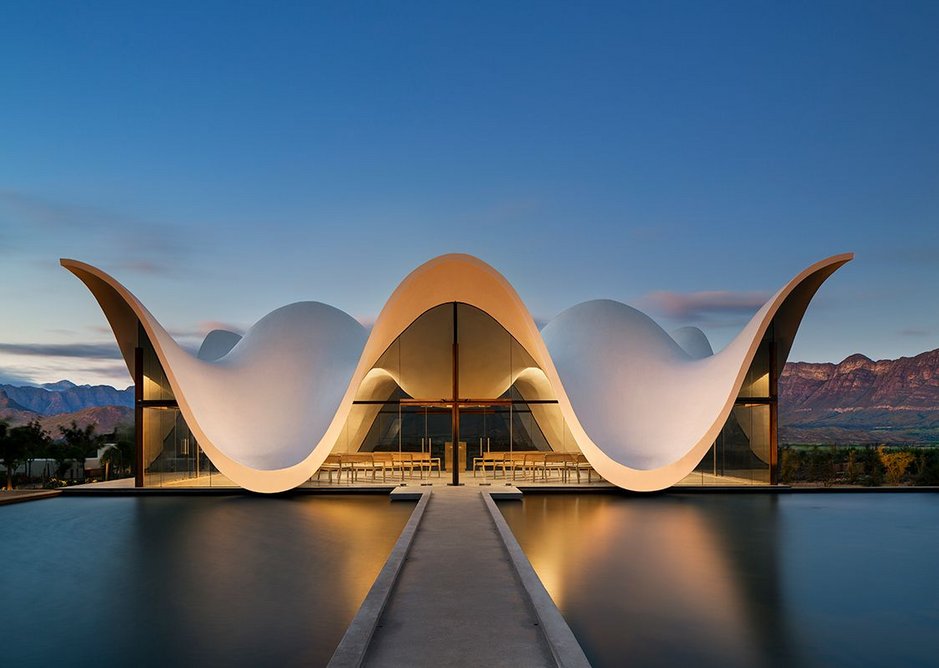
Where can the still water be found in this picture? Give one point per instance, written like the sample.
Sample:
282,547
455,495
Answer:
210,581
741,580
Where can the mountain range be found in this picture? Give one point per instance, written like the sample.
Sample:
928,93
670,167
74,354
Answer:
861,401
858,400
58,404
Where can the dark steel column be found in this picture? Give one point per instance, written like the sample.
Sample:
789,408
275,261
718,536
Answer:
138,416
455,413
773,413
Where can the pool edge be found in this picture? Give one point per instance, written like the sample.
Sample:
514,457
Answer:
564,645
350,653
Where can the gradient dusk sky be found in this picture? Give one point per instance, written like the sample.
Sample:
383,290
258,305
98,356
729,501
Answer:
223,159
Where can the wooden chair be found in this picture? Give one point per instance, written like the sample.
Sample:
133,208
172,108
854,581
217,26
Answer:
579,463
490,460
532,462
384,462
423,460
512,461
332,464
404,461
356,463
557,462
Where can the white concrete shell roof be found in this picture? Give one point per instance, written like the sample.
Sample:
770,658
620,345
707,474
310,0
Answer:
642,406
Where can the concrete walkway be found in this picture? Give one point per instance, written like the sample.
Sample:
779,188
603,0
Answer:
20,495
458,600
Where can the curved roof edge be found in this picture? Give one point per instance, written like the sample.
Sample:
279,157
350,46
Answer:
444,279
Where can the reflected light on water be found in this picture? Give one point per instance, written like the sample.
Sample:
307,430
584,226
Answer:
740,580
233,581
652,583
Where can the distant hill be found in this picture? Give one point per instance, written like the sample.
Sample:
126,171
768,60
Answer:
67,397
7,404
58,404
861,401
105,418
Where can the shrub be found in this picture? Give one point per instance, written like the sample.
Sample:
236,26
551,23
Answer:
895,463
790,465
926,470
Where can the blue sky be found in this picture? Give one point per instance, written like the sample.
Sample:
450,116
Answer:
223,159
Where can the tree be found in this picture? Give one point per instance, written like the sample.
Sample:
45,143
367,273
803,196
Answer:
20,445
854,469
12,452
35,440
790,464
79,443
895,463
927,468
821,466
118,458
874,470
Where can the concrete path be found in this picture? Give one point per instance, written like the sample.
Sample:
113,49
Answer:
458,601
20,495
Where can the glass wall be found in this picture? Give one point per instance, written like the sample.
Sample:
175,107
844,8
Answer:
155,385
171,453
743,452
505,403
504,400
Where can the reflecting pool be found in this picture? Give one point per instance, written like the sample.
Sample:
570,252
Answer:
213,581
741,579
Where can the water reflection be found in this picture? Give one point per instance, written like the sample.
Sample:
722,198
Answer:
736,580
647,580
213,581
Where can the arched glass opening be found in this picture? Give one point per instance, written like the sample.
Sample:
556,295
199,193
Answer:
456,359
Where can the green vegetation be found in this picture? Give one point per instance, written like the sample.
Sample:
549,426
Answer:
79,444
867,466
118,459
21,446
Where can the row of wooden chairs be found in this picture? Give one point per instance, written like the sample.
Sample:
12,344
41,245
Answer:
532,464
352,464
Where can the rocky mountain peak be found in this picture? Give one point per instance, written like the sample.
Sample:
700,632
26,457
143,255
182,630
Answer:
860,400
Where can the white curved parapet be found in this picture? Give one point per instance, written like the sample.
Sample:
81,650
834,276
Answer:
642,406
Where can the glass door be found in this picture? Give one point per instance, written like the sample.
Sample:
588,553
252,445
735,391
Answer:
486,429
425,428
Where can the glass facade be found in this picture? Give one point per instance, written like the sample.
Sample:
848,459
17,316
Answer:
504,402
170,452
457,354
744,452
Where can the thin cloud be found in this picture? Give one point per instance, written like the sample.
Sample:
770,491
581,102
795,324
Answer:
101,351
207,326
914,332
149,267
36,370
200,330
906,256
367,321
77,373
129,242
708,306
38,211
15,379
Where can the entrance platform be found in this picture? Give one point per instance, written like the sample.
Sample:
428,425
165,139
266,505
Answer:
496,485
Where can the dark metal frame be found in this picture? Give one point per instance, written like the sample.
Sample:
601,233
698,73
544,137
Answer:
138,416
139,405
